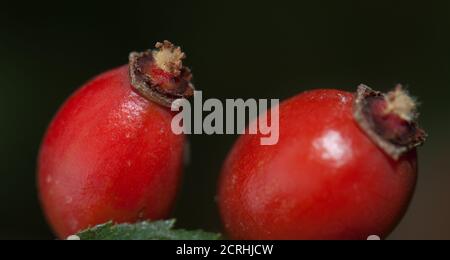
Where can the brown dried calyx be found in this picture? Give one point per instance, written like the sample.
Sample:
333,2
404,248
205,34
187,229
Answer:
390,120
159,75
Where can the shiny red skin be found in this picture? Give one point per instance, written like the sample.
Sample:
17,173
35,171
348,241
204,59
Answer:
109,154
324,180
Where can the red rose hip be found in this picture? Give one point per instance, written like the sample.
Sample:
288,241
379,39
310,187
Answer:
345,167
109,153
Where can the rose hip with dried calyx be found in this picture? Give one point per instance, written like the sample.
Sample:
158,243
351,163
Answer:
345,167
110,154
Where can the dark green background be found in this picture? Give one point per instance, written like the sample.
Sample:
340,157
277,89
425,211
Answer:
260,49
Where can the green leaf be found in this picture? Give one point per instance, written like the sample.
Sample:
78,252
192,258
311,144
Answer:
158,230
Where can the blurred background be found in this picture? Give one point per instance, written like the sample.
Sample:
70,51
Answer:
245,49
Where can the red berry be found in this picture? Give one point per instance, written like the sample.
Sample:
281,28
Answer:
109,153
345,167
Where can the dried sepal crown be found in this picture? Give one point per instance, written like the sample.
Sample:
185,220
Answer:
394,128
159,75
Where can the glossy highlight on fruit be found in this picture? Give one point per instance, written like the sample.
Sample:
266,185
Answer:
327,178
110,154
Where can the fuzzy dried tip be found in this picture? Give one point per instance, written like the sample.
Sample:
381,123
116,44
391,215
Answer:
169,57
400,103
